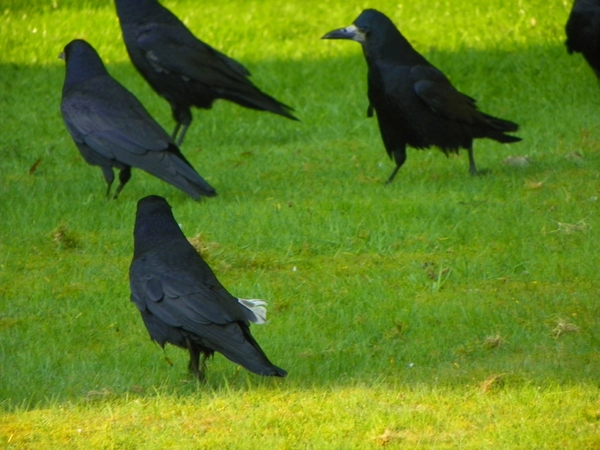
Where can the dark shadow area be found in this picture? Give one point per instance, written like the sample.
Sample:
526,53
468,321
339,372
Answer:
534,87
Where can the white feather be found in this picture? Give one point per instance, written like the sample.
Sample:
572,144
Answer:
258,314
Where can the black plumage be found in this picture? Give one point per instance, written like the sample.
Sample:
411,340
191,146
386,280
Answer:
583,32
414,102
183,69
182,302
111,128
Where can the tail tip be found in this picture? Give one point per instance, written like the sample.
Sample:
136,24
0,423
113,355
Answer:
279,372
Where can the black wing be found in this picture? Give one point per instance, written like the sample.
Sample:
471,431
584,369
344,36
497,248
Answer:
440,96
181,295
174,49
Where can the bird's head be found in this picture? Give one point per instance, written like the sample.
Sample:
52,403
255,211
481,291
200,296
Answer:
154,222
82,62
76,47
367,26
152,205
375,32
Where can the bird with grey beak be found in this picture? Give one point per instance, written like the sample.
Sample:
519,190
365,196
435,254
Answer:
414,102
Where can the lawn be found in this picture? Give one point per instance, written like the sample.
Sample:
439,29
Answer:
441,311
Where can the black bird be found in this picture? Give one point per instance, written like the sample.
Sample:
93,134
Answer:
181,300
183,69
583,32
111,128
415,103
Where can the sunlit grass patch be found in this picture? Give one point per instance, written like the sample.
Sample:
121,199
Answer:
353,417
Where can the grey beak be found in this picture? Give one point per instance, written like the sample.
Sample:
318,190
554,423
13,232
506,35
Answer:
350,33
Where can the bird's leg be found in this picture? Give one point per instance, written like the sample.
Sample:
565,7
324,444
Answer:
124,176
108,190
183,117
109,176
175,131
399,158
203,366
181,135
393,175
472,167
196,367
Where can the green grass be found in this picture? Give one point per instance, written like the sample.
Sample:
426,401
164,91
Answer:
442,311
356,417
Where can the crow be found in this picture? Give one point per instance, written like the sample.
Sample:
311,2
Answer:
415,103
583,32
183,69
182,302
111,128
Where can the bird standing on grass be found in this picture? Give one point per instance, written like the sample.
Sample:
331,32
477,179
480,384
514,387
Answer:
111,128
415,103
583,32
181,300
183,69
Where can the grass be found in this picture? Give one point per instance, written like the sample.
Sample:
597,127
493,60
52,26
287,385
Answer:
330,418
441,311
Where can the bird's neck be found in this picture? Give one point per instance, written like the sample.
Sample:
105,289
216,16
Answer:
149,232
82,71
395,49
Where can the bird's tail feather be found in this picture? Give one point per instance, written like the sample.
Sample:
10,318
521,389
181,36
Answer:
189,181
505,138
254,98
246,352
172,167
501,124
254,310
495,128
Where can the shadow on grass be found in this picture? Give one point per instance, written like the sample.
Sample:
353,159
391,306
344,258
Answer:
523,86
